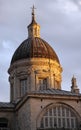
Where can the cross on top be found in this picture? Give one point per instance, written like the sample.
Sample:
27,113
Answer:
33,8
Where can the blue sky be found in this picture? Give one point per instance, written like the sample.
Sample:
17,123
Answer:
60,22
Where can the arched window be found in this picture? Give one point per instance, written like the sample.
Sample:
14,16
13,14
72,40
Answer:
59,116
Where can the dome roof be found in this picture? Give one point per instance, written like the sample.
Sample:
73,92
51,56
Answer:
34,47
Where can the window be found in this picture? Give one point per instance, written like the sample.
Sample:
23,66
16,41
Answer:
46,121
67,112
59,117
23,84
42,125
54,110
12,92
63,111
59,113
43,83
59,122
72,123
68,122
3,123
51,122
63,122
50,112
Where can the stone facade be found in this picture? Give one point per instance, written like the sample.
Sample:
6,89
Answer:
40,107
9,115
36,70
30,113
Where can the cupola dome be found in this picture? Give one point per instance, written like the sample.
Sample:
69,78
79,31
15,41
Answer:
34,46
34,65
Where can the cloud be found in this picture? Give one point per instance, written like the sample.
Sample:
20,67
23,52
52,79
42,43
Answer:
77,3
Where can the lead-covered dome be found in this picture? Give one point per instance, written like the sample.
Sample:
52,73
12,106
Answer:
34,47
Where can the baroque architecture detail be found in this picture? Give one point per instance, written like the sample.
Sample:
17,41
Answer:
37,101
34,54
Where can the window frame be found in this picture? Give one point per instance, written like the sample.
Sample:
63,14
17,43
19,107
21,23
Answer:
66,121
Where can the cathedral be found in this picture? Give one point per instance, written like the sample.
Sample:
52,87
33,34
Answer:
37,101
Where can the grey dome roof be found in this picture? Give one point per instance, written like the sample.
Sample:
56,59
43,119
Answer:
34,47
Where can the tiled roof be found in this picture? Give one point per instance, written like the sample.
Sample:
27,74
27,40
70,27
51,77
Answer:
6,105
42,92
55,92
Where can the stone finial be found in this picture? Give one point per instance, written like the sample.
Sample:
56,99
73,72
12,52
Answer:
74,87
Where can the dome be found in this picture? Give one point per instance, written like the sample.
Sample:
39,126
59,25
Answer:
34,65
34,47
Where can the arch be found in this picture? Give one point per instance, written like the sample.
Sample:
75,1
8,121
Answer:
58,115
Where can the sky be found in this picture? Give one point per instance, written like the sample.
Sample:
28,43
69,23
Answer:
60,22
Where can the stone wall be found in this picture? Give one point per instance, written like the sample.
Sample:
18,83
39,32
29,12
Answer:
40,105
23,117
35,69
10,117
